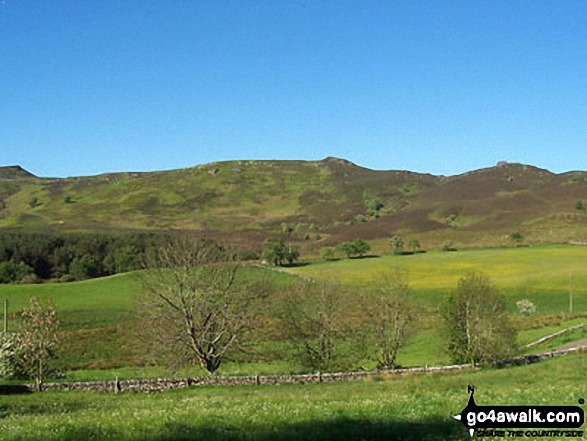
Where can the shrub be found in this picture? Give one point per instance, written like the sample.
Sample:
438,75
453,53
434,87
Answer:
526,307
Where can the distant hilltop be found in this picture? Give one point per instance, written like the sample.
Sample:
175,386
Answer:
13,172
323,202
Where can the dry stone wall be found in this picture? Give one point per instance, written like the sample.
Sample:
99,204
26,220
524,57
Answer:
163,384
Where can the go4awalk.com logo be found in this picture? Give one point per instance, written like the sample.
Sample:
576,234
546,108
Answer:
504,421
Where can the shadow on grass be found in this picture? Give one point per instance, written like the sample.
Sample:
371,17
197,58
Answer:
338,429
14,389
295,264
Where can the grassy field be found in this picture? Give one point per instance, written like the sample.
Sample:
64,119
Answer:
540,273
382,408
100,310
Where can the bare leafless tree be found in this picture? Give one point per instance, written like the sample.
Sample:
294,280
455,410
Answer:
198,305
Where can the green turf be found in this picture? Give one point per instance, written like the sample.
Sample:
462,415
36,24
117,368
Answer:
386,408
90,303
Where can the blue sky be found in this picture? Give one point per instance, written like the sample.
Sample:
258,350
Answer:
443,87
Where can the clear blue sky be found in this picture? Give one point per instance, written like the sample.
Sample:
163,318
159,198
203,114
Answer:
443,87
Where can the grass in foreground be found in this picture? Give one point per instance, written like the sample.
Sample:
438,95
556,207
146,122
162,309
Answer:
384,408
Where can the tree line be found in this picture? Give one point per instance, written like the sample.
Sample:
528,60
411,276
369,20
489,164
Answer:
37,257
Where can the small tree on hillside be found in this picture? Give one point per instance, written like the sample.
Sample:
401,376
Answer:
516,237
397,244
360,247
327,253
479,329
276,252
414,244
346,248
37,339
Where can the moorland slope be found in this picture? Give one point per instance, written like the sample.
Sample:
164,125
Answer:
327,201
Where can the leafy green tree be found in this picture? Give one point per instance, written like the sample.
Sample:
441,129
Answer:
414,244
579,205
327,253
37,340
360,247
83,268
277,252
357,247
346,248
397,244
479,329
10,272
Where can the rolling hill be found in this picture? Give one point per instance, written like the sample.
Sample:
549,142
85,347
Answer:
325,201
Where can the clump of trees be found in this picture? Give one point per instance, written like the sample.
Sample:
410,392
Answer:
478,327
356,248
30,257
11,272
78,256
277,252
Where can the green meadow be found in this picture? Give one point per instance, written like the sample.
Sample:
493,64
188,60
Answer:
540,273
390,407
97,315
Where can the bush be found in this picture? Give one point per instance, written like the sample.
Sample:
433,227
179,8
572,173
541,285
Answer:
10,272
66,278
526,307
327,253
516,236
